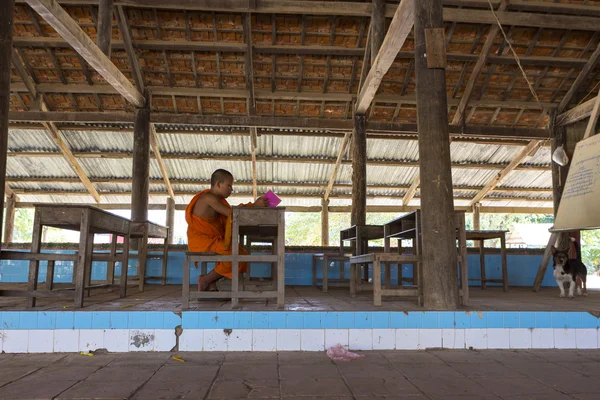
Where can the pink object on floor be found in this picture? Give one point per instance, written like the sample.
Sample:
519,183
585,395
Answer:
340,353
272,199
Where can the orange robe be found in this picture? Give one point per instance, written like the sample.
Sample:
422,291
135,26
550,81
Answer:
212,235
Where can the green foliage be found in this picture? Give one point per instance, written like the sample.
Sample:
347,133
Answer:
590,249
23,225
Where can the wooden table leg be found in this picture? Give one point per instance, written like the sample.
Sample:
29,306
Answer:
376,282
314,270
235,264
124,266
142,255
400,269
82,258
482,263
88,263
504,266
387,265
185,288
50,275
464,267
325,273
281,260
34,265
110,266
353,273
165,260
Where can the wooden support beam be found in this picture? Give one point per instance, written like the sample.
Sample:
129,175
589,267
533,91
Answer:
9,224
577,113
481,62
141,165
440,278
249,69
377,28
491,185
171,219
104,30
6,37
324,222
336,166
585,73
410,193
591,126
397,33
359,172
477,221
161,163
70,30
134,64
23,74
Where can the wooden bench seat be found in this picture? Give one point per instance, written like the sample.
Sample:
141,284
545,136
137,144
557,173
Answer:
377,259
235,292
326,282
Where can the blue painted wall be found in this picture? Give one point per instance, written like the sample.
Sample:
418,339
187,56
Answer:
522,269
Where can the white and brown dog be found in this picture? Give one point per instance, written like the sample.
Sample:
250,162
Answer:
571,271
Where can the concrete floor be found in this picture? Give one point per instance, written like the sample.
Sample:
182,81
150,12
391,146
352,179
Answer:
454,374
307,298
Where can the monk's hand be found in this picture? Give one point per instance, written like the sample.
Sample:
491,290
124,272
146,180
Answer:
261,202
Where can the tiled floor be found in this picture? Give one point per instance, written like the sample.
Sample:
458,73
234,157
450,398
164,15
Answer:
306,298
464,374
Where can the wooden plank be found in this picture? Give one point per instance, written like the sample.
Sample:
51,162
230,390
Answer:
591,125
171,219
397,33
481,62
70,30
583,74
496,180
104,29
477,222
9,217
23,74
336,166
359,171
266,294
324,222
377,28
128,45
410,192
577,113
161,163
140,185
439,261
539,277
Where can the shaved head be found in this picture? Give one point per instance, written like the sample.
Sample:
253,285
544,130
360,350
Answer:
220,175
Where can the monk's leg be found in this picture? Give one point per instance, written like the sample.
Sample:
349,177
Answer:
208,281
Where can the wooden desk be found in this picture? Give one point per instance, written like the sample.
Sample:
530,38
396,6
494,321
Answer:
88,221
143,231
360,234
488,235
254,221
408,226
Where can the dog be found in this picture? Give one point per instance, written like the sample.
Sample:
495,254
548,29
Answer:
571,271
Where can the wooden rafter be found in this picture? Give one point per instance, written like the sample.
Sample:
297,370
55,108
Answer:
582,111
53,131
591,126
136,70
491,185
585,72
105,18
336,166
481,62
397,33
161,163
70,30
249,69
410,192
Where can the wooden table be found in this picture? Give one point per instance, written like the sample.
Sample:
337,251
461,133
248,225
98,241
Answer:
360,234
408,227
142,231
259,221
488,235
88,221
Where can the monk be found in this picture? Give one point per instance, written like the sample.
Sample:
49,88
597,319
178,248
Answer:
209,226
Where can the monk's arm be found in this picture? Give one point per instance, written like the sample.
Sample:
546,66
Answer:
216,204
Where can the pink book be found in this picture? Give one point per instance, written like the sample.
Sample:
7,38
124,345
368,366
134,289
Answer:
272,199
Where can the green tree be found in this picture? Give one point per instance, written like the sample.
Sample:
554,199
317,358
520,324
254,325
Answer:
23,225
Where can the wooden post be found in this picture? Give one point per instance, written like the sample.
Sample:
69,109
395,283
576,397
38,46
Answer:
171,219
477,222
559,174
324,222
377,28
10,220
105,19
141,165
359,172
440,277
6,36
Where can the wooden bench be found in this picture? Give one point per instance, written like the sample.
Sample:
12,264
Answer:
377,259
326,282
143,231
235,293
